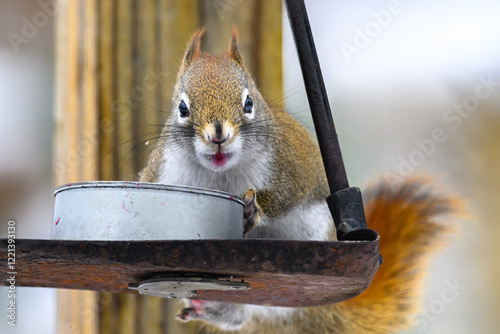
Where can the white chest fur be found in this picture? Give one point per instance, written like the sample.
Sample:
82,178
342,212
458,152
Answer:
179,168
309,221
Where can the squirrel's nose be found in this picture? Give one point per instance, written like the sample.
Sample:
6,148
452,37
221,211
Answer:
218,133
218,140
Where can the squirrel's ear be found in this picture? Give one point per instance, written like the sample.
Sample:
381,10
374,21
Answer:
193,48
234,51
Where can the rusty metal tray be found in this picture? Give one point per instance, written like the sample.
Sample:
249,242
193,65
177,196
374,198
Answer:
280,272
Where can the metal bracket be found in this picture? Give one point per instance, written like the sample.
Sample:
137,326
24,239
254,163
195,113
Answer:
183,287
346,206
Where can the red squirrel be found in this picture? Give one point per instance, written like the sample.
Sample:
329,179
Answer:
221,134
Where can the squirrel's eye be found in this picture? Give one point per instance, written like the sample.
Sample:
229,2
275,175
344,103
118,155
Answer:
183,109
248,107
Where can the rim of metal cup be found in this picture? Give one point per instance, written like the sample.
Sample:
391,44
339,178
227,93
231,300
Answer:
148,185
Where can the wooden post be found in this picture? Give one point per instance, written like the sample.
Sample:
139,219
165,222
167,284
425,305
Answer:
76,140
116,63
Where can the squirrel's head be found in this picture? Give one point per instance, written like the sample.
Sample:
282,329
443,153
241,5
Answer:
215,100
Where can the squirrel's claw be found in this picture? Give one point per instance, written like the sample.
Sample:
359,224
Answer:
187,314
251,215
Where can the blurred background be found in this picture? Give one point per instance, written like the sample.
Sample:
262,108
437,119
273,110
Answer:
414,88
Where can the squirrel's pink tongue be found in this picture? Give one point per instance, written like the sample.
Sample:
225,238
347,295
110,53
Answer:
219,159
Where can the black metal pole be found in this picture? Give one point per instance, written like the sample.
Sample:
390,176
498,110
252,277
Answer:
345,203
316,94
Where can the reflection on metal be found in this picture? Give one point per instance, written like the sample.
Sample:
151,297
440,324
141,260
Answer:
183,287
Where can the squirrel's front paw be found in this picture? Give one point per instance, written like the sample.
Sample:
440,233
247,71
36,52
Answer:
252,213
224,315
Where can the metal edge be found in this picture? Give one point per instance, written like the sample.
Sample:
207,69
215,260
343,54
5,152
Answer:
148,185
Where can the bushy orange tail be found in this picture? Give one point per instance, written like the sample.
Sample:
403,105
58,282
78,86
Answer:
409,218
